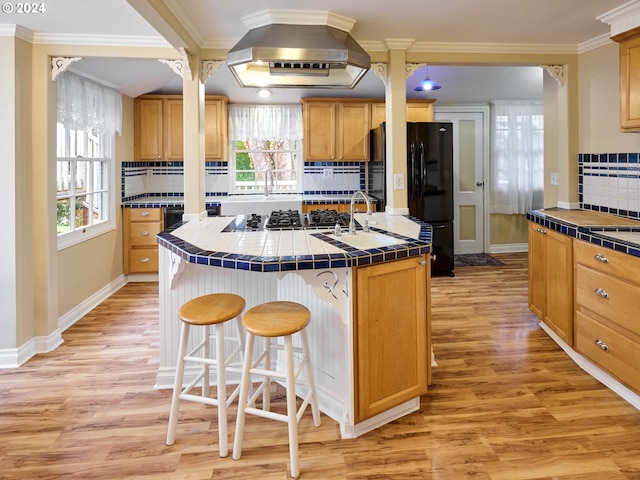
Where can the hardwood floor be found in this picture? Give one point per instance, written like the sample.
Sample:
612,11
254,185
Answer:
506,404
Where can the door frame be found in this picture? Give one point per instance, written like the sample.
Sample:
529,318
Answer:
485,111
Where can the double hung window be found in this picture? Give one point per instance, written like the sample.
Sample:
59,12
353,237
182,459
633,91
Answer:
88,116
266,145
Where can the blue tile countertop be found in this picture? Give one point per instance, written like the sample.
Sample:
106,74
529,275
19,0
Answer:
159,201
617,233
205,243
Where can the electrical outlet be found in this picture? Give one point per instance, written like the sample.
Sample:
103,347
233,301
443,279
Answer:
555,179
327,173
398,181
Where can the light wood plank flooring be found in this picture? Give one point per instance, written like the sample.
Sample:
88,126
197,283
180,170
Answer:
506,404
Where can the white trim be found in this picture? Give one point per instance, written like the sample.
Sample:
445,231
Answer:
83,308
594,43
622,18
14,357
67,240
99,40
509,248
595,371
568,205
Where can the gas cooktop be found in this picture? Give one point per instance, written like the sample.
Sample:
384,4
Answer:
288,220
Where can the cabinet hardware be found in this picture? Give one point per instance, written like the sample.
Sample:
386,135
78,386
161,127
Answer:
422,262
542,231
144,214
144,234
601,293
601,258
602,345
144,260
433,257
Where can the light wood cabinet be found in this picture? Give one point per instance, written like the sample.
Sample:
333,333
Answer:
215,127
392,334
417,111
551,279
607,288
140,227
336,130
158,127
629,45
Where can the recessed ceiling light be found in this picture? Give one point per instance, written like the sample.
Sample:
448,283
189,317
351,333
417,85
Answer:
264,93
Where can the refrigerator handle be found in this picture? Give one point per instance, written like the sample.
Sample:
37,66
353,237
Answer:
422,174
411,168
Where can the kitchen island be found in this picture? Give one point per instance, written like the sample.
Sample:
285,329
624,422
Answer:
368,295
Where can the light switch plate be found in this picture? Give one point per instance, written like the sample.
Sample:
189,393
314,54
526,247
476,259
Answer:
398,181
555,178
327,173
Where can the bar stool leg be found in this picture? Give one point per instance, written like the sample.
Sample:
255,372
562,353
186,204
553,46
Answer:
242,401
177,386
206,353
223,434
292,411
315,410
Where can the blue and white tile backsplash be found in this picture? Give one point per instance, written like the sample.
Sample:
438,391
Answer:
166,179
610,182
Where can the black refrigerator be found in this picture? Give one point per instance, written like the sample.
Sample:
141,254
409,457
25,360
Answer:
429,183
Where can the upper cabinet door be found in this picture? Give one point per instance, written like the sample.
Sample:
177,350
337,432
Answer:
319,131
174,131
629,80
215,128
353,131
148,128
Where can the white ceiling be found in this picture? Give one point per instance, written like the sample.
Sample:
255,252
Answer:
560,26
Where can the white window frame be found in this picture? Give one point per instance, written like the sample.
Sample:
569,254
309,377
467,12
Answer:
273,178
81,234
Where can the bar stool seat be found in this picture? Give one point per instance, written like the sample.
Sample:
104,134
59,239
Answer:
273,320
211,312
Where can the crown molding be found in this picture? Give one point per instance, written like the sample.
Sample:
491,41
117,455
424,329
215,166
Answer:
623,18
100,40
298,17
16,31
594,43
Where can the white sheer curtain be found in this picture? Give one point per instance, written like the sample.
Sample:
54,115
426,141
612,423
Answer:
85,104
265,122
517,161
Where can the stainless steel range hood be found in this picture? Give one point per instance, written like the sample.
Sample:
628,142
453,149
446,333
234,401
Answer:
298,56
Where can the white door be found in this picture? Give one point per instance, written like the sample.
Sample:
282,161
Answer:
470,171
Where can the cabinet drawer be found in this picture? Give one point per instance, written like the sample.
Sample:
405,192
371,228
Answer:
614,299
611,350
143,260
608,261
145,214
143,233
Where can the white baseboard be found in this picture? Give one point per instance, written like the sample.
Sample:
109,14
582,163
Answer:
14,357
509,248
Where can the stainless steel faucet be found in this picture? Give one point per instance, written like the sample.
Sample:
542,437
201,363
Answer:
352,223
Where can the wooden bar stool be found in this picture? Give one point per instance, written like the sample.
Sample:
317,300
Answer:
207,311
272,320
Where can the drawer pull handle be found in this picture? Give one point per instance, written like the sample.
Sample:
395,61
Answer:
601,292
602,345
542,231
144,214
144,234
601,258
145,260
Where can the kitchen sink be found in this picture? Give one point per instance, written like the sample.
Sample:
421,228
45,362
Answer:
367,240
259,204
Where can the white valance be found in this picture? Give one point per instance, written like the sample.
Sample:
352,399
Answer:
83,103
265,122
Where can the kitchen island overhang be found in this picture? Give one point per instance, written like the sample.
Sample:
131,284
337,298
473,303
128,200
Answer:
310,266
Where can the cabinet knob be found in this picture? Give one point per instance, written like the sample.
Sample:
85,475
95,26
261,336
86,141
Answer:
422,262
601,292
144,214
144,260
144,234
542,231
602,345
601,258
